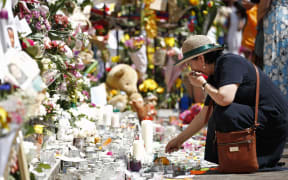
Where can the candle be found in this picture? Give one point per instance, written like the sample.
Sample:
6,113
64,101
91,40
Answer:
138,150
107,118
147,134
108,110
100,117
115,122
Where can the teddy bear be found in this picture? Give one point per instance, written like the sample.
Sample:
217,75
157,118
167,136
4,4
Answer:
124,78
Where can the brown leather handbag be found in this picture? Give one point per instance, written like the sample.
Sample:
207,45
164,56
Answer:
237,149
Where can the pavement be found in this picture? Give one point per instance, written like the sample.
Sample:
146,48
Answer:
271,175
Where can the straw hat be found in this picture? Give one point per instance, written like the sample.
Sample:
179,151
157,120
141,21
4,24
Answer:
197,45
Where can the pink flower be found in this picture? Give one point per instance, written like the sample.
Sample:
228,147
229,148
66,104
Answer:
86,93
16,118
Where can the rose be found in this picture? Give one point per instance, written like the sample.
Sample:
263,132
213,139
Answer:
27,42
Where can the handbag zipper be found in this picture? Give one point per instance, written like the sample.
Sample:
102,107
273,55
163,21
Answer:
240,142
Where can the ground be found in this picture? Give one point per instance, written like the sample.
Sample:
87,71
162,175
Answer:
274,175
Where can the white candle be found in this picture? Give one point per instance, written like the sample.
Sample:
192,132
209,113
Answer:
100,117
115,122
108,110
107,118
138,150
147,134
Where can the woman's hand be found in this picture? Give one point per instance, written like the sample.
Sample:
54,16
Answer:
196,79
173,145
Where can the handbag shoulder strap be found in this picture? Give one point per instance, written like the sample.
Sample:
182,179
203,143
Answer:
208,111
257,96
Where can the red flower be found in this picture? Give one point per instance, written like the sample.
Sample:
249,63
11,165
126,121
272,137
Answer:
98,27
108,69
31,43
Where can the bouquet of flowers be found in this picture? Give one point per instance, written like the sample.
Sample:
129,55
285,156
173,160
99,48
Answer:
35,14
134,44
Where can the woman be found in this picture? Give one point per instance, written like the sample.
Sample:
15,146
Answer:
231,87
275,22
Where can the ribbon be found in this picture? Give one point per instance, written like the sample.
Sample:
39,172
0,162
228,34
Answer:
91,68
5,87
200,50
4,14
3,118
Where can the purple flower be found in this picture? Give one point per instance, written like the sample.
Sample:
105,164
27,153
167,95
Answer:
80,66
77,74
36,14
129,44
43,11
38,26
28,18
47,24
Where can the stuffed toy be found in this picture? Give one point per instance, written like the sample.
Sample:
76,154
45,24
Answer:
119,102
123,77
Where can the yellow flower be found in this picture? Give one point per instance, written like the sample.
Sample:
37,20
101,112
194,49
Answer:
142,87
126,37
38,128
150,49
151,66
160,90
178,83
205,12
193,13
150,59
151,84
170,41
113,92
194,2
115,59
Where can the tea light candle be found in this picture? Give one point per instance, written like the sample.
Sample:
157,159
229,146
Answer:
147,134
115,121
138,150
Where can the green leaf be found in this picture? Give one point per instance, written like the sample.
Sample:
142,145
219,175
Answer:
4,3
44,166
39,170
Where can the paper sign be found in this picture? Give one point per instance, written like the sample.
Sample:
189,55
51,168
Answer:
159,5
21,69
99,95
22,26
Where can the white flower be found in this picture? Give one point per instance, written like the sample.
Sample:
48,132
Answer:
74,112
86,81
45,66
79,1
81,81
42,110
68,52
51,2
47,95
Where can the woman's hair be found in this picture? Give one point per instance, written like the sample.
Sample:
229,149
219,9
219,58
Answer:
211,57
